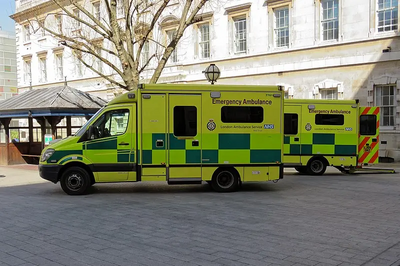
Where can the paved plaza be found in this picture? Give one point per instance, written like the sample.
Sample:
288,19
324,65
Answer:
333,219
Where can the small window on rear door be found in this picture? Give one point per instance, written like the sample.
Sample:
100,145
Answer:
185,121
368,125
291,124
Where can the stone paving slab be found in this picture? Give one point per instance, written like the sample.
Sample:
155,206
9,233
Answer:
333,219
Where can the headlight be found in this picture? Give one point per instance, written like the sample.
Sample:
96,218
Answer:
47,154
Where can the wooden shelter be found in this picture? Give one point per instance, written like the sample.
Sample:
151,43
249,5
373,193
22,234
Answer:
45,108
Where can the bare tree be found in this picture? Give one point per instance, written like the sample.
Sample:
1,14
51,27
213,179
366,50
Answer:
118,33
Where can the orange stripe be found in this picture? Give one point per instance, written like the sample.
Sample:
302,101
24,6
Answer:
376,111
374,157
366,110
377,124
373,144
363,142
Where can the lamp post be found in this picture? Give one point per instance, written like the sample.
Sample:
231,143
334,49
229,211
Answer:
212,73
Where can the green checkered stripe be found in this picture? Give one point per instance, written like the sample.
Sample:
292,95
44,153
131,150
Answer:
321,143
214,149
110,145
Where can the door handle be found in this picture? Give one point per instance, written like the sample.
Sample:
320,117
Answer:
195,143
374,140
123,143
296,139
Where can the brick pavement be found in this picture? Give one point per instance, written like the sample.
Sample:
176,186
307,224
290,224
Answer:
330,220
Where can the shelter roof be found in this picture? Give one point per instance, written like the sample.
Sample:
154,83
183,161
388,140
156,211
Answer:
55,101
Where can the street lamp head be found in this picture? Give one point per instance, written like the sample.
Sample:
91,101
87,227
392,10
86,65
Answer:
212,73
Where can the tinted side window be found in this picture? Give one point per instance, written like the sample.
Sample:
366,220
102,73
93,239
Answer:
368,125
242,114
328,119
185,121
291,124
111,123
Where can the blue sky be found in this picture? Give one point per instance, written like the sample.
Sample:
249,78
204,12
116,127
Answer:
7,8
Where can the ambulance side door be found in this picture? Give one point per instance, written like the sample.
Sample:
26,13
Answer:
368,141
292,139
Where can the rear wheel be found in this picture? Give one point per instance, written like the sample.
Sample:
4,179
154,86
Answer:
75,181
316,166
301,169
225,180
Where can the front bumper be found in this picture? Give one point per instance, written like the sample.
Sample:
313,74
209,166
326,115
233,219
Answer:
49,172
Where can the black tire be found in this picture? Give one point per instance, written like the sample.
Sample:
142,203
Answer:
225,180
316,166
75,181
301,169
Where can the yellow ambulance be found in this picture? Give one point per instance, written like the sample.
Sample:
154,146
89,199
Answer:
321,133
179,134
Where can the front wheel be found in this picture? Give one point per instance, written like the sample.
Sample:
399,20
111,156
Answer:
316,166
75,181
225,180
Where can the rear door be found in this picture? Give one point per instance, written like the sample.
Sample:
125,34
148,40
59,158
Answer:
184,145
292,140
368,141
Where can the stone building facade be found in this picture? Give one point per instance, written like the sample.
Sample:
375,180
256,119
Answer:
323,49
8,65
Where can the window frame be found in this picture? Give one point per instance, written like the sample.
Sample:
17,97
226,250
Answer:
43,69
243,107
323,91
378,10
325,124
27,74
104,114
276,28
381,106
59,66
337,19
173,58
297,124
186,121
201,42
236,40
374,123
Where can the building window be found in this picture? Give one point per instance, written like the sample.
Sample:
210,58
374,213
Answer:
59,66
282,27
145,53
387,15
291,122
27,33
240,37
43,69
204,40
120,9
385,98
330,19
59,23
96,10
170,36
76,23
185,121
329,94
42,32
78,66
27,71
99,66
329,119
242,114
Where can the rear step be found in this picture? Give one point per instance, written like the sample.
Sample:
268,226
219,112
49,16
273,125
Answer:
358,169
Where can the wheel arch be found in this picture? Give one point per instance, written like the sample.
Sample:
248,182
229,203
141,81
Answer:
77,164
